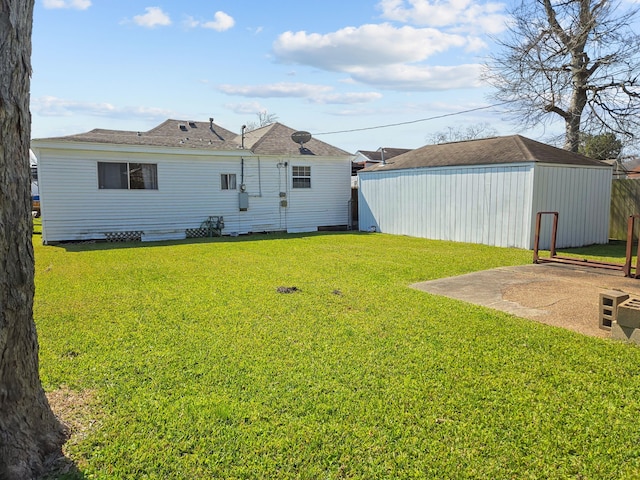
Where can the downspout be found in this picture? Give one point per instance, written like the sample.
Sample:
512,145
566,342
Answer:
242,185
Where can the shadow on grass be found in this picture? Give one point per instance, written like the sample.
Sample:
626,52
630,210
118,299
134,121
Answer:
63,468
614,249
94,245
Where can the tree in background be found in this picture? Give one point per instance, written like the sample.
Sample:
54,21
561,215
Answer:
459,134
264,118
576,59
29,432
604,146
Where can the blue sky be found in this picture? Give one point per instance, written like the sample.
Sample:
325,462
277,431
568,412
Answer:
320,66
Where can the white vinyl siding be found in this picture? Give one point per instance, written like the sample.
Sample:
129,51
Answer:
189,191
326,203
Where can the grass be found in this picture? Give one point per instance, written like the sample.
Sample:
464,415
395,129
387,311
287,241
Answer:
201,369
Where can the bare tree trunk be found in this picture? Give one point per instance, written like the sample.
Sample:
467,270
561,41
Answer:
573,120
29,431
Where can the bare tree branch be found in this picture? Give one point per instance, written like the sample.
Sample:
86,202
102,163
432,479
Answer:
573,59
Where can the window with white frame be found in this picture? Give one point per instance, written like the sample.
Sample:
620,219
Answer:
127,176
301,176
228,181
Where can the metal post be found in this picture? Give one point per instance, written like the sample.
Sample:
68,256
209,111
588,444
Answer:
554,234
536,243
629,253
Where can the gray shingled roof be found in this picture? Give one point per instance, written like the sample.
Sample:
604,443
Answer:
170,133
274,139
487,151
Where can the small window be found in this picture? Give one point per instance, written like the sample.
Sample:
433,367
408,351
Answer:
113,175
301,176
124,176
143,176
228,181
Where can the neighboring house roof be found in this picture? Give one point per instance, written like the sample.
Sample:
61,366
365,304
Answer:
376,156
275,139
487,151
635,173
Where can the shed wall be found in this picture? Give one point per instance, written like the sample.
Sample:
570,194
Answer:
489,205
582,198
74,208
492,205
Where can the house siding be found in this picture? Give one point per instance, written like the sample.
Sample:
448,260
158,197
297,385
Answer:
493,205
74,208
326,203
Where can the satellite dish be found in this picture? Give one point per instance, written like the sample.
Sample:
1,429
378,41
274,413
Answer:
301,137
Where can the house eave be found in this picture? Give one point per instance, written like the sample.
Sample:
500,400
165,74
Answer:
127,148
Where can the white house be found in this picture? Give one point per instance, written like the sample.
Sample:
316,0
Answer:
488,191
164,183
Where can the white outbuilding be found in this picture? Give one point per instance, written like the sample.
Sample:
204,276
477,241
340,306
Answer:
488,191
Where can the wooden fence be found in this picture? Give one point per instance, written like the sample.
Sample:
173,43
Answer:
625,201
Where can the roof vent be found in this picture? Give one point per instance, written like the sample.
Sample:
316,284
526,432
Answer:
139,134
183,127
193,125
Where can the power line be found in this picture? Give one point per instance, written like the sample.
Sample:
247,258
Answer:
412,121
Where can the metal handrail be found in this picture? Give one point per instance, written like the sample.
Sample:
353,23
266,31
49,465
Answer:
554,258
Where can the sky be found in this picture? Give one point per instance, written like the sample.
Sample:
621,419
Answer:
334,68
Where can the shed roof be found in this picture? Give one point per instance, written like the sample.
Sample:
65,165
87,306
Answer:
487,151
274,139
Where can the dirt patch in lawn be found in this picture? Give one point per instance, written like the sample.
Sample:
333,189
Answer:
561,295
80,413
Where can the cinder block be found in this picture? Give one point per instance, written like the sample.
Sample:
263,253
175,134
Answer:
609,301
628,314
626,334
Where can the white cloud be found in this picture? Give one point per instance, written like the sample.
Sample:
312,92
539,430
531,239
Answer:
154,17
49,106
421,78
347,98
275,90
75,4
461,15
320,94
246,108
221,22
190,22
368,45
384,56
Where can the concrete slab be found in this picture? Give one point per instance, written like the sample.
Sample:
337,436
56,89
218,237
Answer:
561,295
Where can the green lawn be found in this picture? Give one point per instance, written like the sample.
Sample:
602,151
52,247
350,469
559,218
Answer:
200,369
